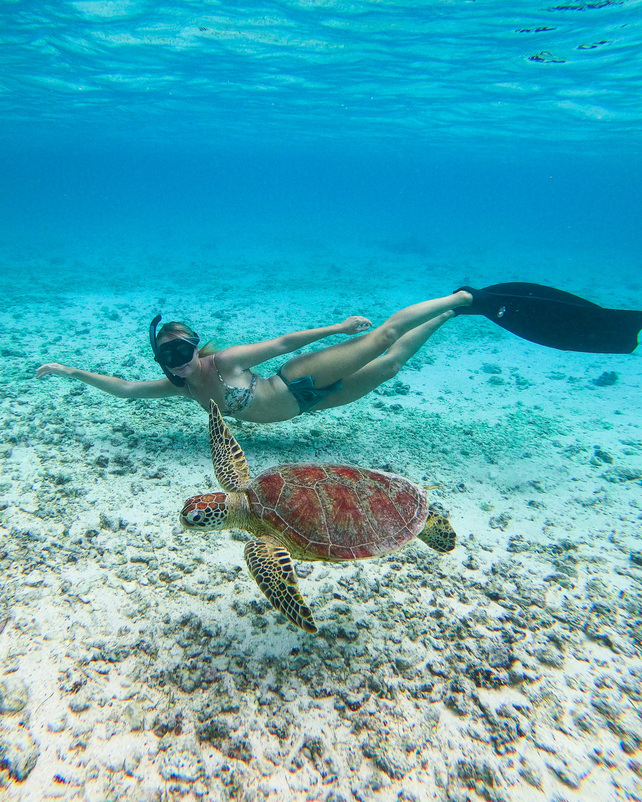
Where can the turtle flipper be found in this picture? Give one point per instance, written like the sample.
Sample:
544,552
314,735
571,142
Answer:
438,533
271,566
230,465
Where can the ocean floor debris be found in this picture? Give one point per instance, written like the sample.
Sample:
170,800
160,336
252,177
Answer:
137,661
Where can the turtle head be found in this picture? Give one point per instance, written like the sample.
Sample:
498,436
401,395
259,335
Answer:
207,511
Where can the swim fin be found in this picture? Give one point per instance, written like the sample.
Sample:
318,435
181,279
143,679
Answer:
555,318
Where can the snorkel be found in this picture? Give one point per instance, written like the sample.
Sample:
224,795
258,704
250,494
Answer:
162,358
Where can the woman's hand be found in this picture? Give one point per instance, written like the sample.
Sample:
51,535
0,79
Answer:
52,369
355,324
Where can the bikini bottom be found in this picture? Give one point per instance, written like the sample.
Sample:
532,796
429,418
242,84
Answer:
306,394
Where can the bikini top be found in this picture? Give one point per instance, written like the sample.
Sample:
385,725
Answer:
236,398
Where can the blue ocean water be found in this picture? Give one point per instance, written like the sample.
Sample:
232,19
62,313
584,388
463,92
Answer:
258,167
456,131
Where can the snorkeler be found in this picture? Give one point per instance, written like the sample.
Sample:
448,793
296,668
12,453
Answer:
343,372
321,379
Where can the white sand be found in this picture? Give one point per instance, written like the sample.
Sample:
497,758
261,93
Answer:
139,662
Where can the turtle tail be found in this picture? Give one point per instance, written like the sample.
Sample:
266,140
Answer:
438,533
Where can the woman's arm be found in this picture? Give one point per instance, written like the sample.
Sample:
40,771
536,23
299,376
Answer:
162,388
247,356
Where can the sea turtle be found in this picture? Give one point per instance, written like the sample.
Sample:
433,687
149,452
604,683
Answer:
310,511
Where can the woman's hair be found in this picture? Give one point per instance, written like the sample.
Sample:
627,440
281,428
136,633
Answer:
176,329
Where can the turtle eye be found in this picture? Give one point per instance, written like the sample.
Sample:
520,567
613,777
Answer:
196,517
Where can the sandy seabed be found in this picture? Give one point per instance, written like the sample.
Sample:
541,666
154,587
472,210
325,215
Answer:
140,662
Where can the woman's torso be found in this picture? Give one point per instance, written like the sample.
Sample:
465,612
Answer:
270,400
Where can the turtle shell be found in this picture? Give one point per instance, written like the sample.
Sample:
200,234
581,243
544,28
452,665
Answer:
338,512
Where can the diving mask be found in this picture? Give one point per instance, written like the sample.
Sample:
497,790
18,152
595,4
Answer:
172,353
175,352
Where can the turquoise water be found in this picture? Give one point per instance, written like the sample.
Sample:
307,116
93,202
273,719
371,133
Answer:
443,129
259,168
367,72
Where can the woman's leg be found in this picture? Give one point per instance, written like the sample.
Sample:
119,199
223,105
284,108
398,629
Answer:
340,361
384,367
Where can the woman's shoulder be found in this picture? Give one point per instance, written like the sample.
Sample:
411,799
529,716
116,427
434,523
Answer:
226,357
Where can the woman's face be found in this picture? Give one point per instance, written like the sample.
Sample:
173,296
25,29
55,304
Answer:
176,353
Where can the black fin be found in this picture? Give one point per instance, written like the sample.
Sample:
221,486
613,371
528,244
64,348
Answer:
557,319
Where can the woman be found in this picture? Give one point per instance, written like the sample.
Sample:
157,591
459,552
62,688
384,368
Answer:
329,377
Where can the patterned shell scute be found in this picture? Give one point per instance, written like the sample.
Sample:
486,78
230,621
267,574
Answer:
339,512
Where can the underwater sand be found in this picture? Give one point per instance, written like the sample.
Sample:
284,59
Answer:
140,662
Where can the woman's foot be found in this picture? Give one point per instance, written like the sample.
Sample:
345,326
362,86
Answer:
464,298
